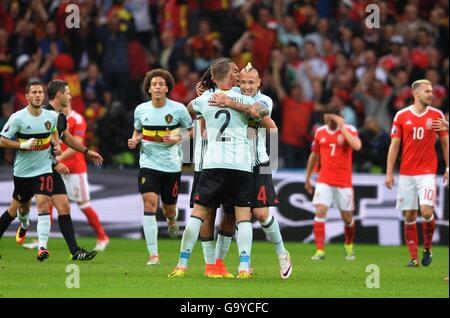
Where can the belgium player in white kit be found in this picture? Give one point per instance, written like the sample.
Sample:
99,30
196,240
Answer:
158,126
414,129
226,171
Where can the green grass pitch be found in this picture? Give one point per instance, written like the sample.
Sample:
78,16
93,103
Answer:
121,271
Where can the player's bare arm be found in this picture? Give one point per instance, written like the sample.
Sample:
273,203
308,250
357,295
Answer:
190,108
256,111
352,140
69,152
444,146
268,123
394,148
440,124
312,161
56,142
61,168
173,139
77,145
135,140
12,144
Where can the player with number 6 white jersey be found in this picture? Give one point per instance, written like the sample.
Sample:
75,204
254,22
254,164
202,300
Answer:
413,129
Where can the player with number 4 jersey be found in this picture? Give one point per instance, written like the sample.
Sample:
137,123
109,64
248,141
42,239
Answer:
413,128
333,145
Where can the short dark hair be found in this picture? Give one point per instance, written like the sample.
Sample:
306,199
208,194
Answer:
159,72
54,87
331,109
32,83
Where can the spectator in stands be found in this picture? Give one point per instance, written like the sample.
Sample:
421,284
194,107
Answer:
312,68
375,146
114,37
296,110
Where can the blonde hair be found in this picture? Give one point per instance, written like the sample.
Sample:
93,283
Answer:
248,67
416,84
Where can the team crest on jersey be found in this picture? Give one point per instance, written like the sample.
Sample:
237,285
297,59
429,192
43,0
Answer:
429,123
48,125
340,139
323,140
143,180
168,118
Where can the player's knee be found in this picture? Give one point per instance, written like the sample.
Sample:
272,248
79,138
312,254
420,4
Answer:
150,206
24,209
43,205
427,213
347,218
410,217
228,223
261,214
169,211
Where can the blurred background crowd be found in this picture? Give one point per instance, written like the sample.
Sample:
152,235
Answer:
308,52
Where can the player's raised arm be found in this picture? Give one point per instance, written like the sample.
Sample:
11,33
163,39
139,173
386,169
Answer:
352,139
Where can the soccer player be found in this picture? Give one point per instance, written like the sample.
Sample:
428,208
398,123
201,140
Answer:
31,130
76,181
264,194
59,98
412,129
159,126
227,167
333,146
214,253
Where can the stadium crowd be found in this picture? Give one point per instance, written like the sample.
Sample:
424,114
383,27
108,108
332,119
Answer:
309,53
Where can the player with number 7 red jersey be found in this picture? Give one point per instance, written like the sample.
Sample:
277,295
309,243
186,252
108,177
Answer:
333,145
413,130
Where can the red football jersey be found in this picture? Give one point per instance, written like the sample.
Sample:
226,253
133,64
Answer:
77,127
335,156
418,140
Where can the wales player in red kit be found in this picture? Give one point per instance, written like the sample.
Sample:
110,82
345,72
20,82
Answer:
414,130
333,144
77,182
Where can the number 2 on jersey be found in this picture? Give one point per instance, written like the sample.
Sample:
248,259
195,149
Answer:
227,114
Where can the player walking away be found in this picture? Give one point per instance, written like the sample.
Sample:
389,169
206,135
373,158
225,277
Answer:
333,146
59,98
413,130
264,194
226,170
76,181
157,127
31,131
